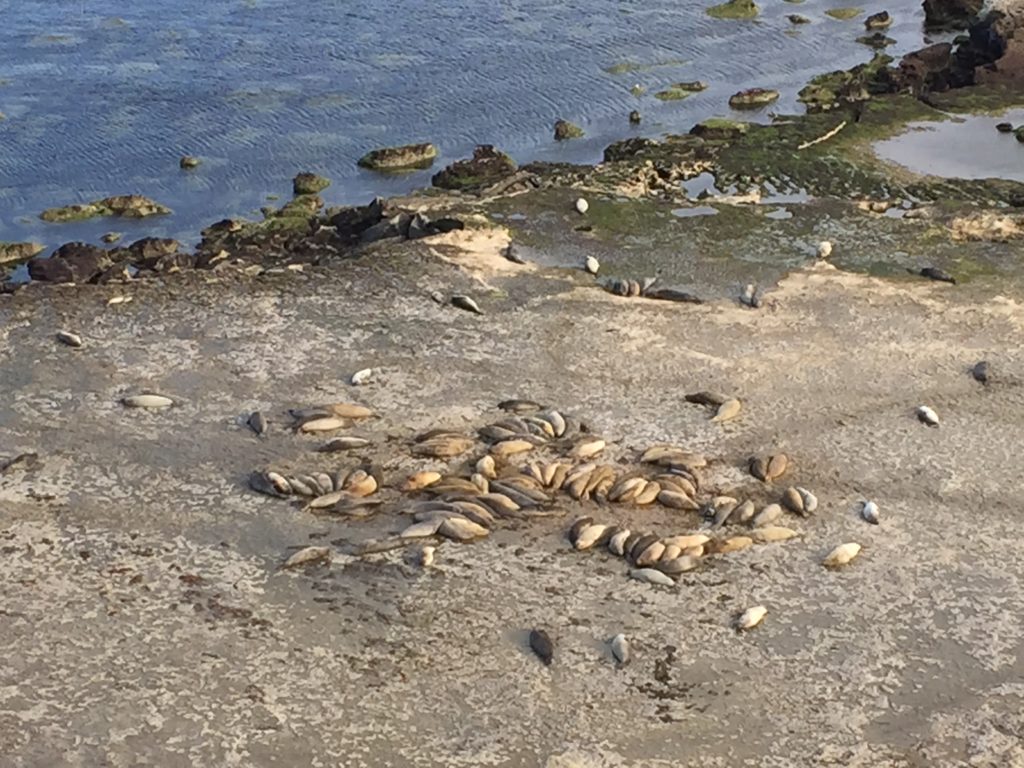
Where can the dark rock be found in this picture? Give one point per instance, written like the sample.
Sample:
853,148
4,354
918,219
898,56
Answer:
1004,127
487,166
351,222
309,184
634,118
149,249
927,70
111,237
796,18
566,130
950,14
71,263
51,271
876,40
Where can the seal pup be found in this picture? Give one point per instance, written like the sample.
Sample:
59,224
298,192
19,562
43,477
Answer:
69,339
592,265
465,302
934,273
620,649
426,556
257,422
361,377
540,644
308,556
750,618
869,511
512,254
750,296
927,416
980,371
841,555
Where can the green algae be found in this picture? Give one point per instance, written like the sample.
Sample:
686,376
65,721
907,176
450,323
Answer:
844,14
734,9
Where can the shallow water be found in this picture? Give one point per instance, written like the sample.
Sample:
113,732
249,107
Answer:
938,148
261,89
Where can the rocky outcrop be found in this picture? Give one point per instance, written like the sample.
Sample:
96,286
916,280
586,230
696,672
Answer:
487,166
844,87
127,206
950,14
71,263
719,129
405,157
565,130
753,98
12,253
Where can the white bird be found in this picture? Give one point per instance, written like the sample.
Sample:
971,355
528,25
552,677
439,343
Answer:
824,249
592,265
582,205
927,416
620,649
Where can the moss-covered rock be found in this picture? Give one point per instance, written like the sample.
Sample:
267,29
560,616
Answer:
753,98
734,9
834,89
565,130
127,206
876,40
405,157
719,129
307,183
678,91
844,14
16,252
950,14
78,212
111,237
487,166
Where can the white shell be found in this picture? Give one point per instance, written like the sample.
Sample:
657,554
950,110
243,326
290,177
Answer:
592,265
842,554
361,377
308,555
582,205
751,617
620,648
810,500
927,415
148,401
824,249
652,576
869,511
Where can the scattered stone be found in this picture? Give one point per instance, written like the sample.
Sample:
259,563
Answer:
565,130
876,40
678,91
127,206
307,183
634,117
541,644
405,157
1004,127
980,371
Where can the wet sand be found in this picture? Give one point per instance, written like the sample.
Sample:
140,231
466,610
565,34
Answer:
145,621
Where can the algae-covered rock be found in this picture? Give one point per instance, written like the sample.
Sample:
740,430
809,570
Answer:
566,130
16,252
79,212
833,89
719,129
753,98
71,263
876,40
487,166
734,9
880,20
188,162
131,207
844,14
405,157
111,237
678,91
307,183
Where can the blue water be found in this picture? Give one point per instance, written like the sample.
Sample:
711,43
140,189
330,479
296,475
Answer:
103,98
